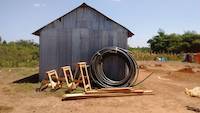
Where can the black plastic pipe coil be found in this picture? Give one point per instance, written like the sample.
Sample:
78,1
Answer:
98,75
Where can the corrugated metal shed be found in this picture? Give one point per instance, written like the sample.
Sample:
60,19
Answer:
76,36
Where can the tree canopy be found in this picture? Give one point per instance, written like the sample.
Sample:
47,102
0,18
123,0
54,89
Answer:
189,42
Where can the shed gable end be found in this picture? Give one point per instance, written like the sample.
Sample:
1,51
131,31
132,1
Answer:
85,16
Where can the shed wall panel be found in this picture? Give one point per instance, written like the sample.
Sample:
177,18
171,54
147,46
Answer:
76,37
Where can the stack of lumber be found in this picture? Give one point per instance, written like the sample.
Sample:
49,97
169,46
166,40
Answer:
107,92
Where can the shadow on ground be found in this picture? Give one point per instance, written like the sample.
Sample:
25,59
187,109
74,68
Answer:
30,79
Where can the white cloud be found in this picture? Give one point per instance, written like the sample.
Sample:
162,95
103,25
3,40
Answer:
39,5
36,5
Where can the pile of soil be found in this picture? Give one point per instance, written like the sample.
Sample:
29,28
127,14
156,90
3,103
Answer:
142,67
158,65
183,76
186,70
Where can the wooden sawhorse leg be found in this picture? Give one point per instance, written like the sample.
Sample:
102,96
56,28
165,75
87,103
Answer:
84,74
52,83
69,79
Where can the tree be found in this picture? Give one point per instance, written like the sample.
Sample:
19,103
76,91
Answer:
176,43
196,45
0,39
4,42
159,43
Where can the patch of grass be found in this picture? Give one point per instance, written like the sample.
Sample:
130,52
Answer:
23,71
60,92
18,54
78,90
12,73
146,55
25,87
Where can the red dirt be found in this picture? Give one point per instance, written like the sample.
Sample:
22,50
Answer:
186,70
167,83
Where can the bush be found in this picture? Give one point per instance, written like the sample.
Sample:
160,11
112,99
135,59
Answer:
19,54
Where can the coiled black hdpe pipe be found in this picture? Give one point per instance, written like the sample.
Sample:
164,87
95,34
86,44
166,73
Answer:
98,75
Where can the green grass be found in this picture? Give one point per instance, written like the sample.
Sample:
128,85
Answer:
25,87
9,75
19,54
143,55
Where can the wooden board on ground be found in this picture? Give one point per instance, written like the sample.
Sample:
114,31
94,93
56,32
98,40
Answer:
117,90
99,94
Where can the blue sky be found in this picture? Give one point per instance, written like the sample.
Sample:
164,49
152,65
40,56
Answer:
19,18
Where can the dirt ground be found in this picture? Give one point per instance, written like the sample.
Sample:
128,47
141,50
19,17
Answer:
168,81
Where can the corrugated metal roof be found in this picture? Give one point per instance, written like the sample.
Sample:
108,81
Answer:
83,5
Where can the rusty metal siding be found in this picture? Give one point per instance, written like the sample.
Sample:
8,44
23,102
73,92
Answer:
76,37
